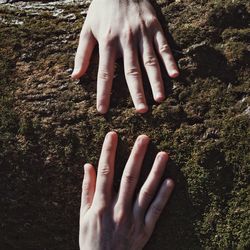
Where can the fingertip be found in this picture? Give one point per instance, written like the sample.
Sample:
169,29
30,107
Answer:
87,167
163,155
112,134
143,136
112,137
76,74
170,184
102,109
141,108
73,76
174,73
143,139
159,98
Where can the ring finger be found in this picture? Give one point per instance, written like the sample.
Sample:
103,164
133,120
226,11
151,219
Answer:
152,68
150,186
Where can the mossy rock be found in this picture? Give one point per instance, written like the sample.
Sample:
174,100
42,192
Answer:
49,126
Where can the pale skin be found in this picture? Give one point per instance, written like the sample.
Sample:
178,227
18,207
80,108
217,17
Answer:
118,221
127,28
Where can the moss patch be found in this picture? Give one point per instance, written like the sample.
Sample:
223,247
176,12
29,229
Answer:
49,126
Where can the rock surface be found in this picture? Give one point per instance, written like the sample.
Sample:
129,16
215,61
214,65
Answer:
49,125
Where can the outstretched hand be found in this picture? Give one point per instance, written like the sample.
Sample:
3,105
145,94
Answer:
130,29
116,221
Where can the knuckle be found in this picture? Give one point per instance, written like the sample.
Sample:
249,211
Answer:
143,25
120,217
100,209
85,187
127,35
164,48
133,72
147,194
150,61
152,22
103,75
156,210
107,40
104,169
139,97
129,178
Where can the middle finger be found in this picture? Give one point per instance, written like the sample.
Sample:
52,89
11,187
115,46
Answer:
132,171
152,68
133,77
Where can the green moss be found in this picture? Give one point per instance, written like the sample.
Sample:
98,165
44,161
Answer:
203,124
227,14
187,34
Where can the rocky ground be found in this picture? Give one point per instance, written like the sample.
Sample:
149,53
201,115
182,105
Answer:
49,125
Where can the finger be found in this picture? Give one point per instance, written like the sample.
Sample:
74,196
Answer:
88,187
132,170
133,78
105,76
165,53
105,171
152,68
84,51
150,186
158,205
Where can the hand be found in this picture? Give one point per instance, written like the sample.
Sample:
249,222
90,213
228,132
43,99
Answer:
121,27
114,221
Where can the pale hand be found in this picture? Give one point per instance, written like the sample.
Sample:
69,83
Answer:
127,28
114,221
